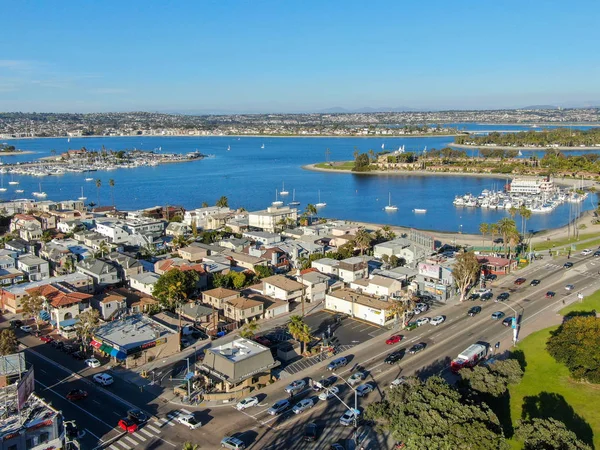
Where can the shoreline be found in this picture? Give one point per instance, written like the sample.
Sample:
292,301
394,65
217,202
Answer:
531,149
425,173
24,152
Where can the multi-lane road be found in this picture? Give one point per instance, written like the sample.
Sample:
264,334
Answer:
99,413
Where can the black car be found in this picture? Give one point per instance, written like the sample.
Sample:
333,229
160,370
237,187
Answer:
138,416
69,349
486,296
310,432
474,296
507,322
78,355
474,310
498,241
324,383
597,253
568,265
503,296
57,344
491,276
394,357
417,348
16,323
534,282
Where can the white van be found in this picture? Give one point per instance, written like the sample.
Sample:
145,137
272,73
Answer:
104,379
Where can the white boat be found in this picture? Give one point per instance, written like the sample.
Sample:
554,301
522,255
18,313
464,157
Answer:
283,191
228,147
82,198
294,202
262,146
419,211
89,179
320,204
277,203
19,191
390,207
40,193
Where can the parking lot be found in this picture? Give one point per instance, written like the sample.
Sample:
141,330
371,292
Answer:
347,331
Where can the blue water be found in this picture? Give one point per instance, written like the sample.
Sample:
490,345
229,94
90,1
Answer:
249,176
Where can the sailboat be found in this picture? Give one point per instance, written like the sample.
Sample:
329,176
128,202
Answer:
277,203
89,179
320,204
19,191
12,182
262,146
294,202
82,198
2,189
391,207
40,193
228,147
283,191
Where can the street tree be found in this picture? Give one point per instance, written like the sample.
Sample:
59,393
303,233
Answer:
576,344
87,325
300,331
223,202
32,305
111,183
548,434
484,229
433,415
362,240
8,342
494,378
98,185
465,272
249,329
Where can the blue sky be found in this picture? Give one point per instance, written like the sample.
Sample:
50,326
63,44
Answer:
275,56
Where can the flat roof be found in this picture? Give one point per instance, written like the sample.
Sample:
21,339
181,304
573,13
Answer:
132,331
22,288
362,299
34,412
239,349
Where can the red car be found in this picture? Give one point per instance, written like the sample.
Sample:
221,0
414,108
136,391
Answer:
550,294
393,339
76,394
128,425
263,341
46,339
520,281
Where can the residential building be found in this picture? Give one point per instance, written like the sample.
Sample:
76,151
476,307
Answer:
9,274
262,237
378,286
144,282
218,296
242,309
351,269
272,307
282,288
360,306
192,253
244,260
18,245
197,313
316,285
103,273
177,229
145,225
270,219
496,265
235,244
327,266
109,305
114,230
126,265
48,221
35,268
200,215
20,221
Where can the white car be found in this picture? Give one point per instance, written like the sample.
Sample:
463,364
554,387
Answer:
329,393
295,386
397,382
422,321
586,252
569,287
103,378
189,421
356,378
247,403
92,362
349,416
437,320
303,405
26,328
422,307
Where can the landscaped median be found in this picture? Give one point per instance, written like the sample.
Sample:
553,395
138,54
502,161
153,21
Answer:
547,389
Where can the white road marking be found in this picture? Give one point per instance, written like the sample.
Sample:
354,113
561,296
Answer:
185,411
152,428
124,445
113,447
99,440
131,441
146,432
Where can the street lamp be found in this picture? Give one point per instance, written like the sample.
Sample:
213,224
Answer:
355,412
516,325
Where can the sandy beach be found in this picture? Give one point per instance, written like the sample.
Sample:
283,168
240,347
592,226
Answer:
24,152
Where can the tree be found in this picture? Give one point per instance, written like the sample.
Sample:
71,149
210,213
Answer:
465,272
102,250
33,305
433,415
362,240
8,342
493,230
46,236
346,250
190,446
300,331
263,271
548,434
311,210
238,280
111,183
194,228
505,227
223,202
484,229
98,185
180,241
525,214
361,163
87,324
205,204
388,233
576,344
250,329
394,261
492,378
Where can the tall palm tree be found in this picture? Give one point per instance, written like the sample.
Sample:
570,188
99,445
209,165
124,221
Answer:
300,331
102,249
250,329
513,212
311,210
525,214
111,183
505,228
98,185
362,240
484,228
513,240
388,233
223,202
493,230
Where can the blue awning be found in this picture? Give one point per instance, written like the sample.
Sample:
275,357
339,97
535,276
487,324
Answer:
69,322
44,315
114,352
121,356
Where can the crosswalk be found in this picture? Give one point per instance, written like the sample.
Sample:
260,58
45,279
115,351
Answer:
589,274
150,430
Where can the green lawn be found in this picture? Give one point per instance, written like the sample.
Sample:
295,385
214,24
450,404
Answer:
339,165
545,245
572,402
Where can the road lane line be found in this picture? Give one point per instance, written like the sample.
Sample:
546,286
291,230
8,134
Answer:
131,441
124,445
146,432
152,428
96,402
113,447
99,439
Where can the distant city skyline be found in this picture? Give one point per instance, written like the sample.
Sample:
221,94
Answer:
267,56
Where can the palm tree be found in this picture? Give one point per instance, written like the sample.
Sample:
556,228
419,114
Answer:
102,249
223,202
311,210
300,331
111,183
513,212
505,228
362,240
98,185
513,239
249,329
190,446
484,229
180,241
388,233
493,230
525,214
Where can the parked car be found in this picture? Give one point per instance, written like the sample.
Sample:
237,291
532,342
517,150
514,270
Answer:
103,378
597,253
357,377
417,348
26,328
586,252
503,296
397,382
569,287
78,355
310,432
519,281
474,310
76,394
486,296
16,323
278,407
499,241
497,315
550,294
491,277
324,383
232,443
337,446
568,265
349,416
92,362
46,339
437,320
393,339
67,348
303,405
394,357
507,322
60,345
474,296
329,393
189,421
128,425
336,363
364,389
534,282
138,416
248,402
422,307
295,386
263,341
422,321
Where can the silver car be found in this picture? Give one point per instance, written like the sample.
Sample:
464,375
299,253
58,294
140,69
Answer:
232,443
303,405
295,386
364,389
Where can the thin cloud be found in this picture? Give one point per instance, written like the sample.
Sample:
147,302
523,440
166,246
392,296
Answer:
109,91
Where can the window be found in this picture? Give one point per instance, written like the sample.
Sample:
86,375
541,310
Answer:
44,437
14,447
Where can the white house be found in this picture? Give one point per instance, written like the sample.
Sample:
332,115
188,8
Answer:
351,269
327,266
360,306
36,268
262,237
316,285
269,219
282,288
200,215
144,282
379,286
114,230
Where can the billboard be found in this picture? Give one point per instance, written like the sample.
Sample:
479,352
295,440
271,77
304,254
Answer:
429,270
12,364
25,388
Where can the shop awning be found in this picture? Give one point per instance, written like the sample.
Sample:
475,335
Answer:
69,322
114,352
121,356
95,344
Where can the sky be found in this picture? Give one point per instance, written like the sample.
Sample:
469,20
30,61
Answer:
297,56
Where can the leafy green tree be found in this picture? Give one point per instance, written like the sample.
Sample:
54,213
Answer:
576,344
493,378
465,272
263,271
180,241
223,202
249,329
238,280
46,236
8,342
346,250
362,240
87,325
388,233
190,446
33,305
548,434
361,163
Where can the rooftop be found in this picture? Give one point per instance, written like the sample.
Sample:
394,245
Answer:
284,283
239,350
131,331
34,413
220,292
365,300
25,287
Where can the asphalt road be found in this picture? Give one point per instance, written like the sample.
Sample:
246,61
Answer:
99,413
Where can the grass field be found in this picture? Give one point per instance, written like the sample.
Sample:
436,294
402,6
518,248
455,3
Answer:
346,165
577,242
548,391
